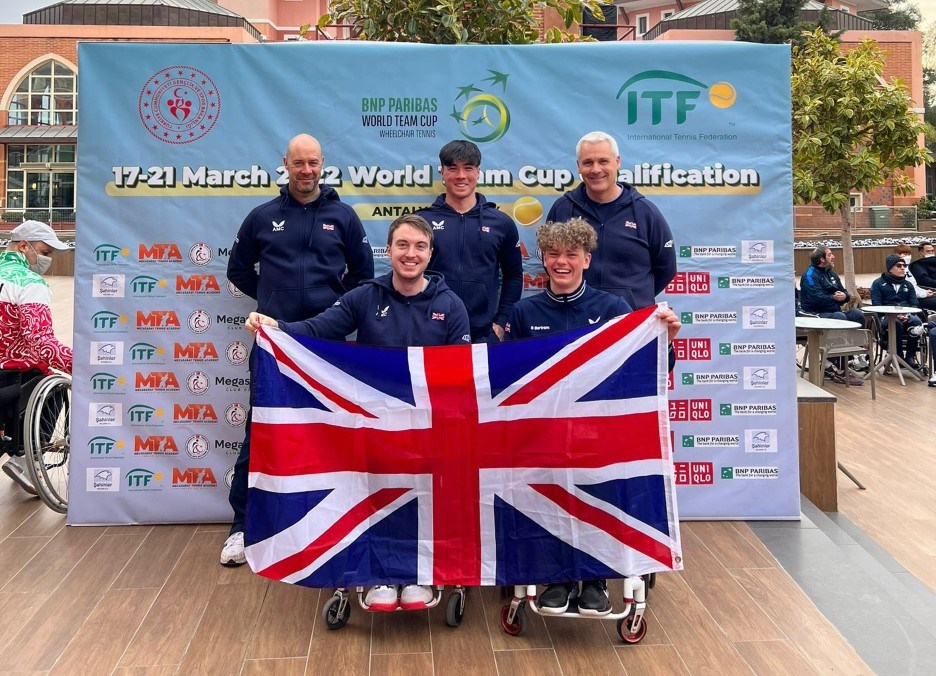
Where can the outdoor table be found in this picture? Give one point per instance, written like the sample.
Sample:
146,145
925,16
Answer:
815,327
892,358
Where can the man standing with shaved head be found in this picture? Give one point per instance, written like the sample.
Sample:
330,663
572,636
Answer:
311,249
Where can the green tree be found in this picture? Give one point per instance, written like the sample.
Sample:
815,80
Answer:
454,21
773,22
852,130
899,15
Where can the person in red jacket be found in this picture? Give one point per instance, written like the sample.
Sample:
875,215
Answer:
28,346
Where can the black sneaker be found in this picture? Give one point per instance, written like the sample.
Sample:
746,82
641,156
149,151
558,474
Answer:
830,373
594,598
556,597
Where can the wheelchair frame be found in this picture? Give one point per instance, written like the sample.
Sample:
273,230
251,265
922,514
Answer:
43,434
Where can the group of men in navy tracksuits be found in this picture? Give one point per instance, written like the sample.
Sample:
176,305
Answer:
606,250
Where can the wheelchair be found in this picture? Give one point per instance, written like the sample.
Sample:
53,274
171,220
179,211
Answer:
39,431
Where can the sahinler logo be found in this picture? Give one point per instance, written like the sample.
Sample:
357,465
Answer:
107,352
676,100
107,286
102,479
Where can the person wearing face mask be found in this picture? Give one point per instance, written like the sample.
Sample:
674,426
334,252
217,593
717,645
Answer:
926,297
27,342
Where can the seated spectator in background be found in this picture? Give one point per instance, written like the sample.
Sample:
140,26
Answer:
822,293
892,288
924,272
925,297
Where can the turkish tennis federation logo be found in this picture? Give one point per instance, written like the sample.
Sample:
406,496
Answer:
179,104
483,117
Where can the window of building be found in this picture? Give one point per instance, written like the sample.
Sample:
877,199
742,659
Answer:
643,24
666,13
46,96
41,177
856,202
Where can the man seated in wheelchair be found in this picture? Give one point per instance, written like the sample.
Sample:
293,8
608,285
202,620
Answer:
892,288
28,347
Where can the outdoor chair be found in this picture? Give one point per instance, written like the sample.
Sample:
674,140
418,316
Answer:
848,343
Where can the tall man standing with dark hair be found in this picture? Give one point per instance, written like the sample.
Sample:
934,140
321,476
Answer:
311,249
474,244
635,258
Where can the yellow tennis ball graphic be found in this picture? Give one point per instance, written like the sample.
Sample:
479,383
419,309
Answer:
527,211
722,95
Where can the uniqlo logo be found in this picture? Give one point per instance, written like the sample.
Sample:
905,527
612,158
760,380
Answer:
694,473
693,349
690,410
669,381
690,282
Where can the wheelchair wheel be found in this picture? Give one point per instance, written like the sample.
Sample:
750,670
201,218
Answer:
46,431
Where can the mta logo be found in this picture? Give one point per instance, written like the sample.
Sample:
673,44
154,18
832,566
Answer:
144,284
107,320
103,445
665,93
141,478
193,476
160,252
195,352
194,413
141,413
155,444
197,284
156,380
158,319
108,253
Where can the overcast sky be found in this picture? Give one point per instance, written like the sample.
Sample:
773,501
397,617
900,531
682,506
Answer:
11,11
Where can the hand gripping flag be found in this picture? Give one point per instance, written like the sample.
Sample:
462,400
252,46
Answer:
533,461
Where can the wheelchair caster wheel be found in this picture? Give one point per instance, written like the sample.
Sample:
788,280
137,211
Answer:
625,628
518,626
455,609
333,615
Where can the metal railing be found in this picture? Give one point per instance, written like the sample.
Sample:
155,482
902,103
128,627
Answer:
51,216
814,218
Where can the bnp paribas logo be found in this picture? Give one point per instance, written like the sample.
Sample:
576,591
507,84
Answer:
668,96
482,115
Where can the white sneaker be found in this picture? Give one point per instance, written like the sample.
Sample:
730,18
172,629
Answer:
415,597
232,554
14,469
382,598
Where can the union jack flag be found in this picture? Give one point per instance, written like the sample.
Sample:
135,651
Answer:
534,461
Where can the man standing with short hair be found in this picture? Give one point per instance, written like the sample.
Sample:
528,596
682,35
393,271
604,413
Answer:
311,249
28,344
635,258
474,244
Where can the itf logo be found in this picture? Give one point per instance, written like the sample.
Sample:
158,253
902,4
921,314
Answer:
110,254
662,91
